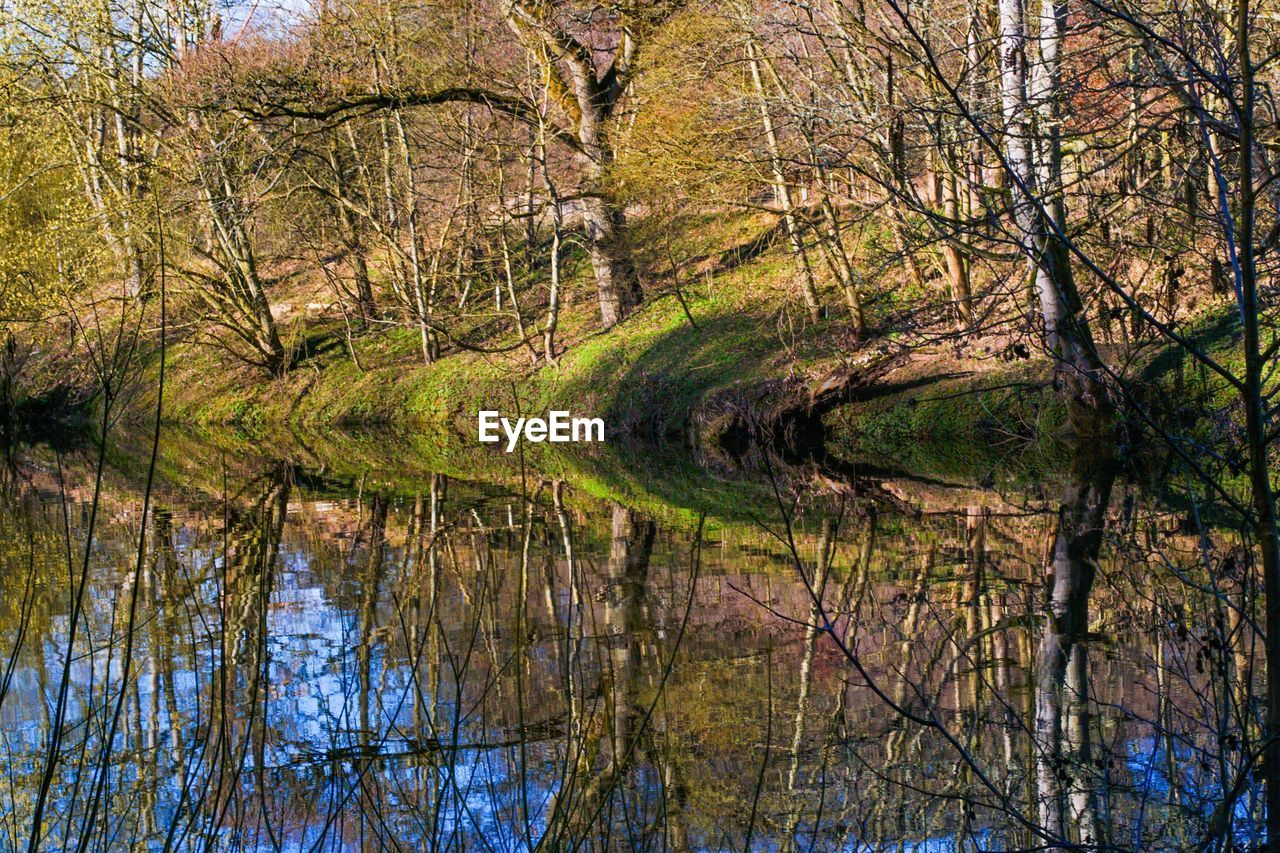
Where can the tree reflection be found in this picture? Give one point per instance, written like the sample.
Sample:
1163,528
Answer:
1068,781
452,665
242,680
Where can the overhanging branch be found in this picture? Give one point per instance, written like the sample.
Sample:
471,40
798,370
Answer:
356,105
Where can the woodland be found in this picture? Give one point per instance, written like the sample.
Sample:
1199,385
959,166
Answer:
794,240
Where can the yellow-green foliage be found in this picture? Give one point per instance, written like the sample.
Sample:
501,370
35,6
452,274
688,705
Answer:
685,143
47,238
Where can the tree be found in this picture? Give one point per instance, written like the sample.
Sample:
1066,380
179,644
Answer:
588,96
583,97
1031,100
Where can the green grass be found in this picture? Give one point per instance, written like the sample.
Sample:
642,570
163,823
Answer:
645,376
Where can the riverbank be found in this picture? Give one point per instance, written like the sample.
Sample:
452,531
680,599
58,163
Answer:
658,378
724,327
718,357
720,348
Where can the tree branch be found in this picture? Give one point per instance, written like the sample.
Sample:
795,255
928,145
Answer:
350,107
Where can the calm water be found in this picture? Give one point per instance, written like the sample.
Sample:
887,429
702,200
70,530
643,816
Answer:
358,662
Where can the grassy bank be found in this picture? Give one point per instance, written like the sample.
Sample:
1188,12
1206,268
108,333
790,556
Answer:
645,376
731,339
976,423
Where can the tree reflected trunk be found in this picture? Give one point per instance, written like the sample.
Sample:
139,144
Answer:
253,545
627,623
629,646
1066,790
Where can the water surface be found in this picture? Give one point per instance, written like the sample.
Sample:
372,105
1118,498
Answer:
367,661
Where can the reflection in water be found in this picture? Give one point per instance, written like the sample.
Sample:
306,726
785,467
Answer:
347,666
1069,783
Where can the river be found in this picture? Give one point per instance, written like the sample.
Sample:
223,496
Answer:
363,653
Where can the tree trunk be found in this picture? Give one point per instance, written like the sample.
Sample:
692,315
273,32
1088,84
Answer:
1039,208
1266,525
422,305
590,98
245,307
781,192
353,240
957,261
617,286
603,219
